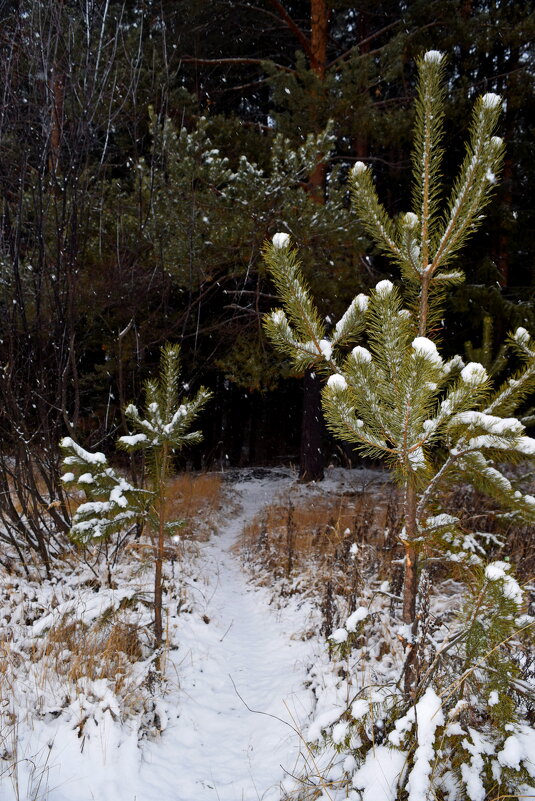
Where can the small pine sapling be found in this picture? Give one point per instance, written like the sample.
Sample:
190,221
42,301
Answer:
163,431
160,431
393,396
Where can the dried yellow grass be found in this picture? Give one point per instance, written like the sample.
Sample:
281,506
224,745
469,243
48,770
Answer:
195,499
108,648
70,653
101,650
307,540
319,526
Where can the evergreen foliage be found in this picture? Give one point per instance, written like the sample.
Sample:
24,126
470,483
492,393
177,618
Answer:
398,398
166,421
207,216
113,504
80,256
436,422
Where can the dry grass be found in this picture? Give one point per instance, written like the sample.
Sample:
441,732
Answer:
328,546
73,652
60,673
322,528
195,499
105,650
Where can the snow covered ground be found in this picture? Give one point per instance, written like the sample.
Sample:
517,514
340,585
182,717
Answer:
249,681
240,679
236,690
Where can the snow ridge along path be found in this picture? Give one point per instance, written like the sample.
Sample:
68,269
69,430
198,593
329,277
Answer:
248,654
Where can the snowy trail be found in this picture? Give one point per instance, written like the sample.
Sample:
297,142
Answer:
217,748
233,645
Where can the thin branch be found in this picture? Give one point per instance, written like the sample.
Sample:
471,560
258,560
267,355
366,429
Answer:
221,61
243,86
296,30
365,41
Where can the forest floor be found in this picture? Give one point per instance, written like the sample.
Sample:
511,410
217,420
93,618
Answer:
253,703
225,725
241,665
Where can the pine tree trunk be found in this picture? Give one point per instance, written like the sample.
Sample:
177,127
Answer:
311,461
158,625
161,473
319,32
410,591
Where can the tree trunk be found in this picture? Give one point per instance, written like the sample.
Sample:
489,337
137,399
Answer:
311,461
410,591
158,566
158,625
319,33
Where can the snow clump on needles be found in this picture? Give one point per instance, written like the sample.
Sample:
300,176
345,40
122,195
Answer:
491,100
281,240
433,57
424,347
474,373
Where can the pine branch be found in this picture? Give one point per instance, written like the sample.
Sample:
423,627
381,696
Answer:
341,420
427,154
475,184
112,505
303,40
352,323
261,62
284,267
372,213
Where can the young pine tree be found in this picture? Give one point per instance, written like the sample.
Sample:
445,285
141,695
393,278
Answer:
393,396
113,504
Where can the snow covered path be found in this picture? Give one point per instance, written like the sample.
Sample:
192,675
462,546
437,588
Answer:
233,653
218,748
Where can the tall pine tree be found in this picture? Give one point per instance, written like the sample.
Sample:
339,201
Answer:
394,397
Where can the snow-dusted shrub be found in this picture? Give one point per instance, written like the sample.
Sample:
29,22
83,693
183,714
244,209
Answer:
75,670
466,735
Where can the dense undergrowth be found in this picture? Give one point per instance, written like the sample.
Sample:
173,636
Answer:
78,645
476,671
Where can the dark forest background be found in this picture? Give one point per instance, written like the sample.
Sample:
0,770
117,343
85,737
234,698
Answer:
148,149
